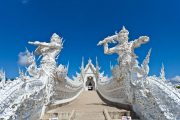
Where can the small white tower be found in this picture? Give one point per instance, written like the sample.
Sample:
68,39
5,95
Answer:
97,68
2,77
82,68
162,74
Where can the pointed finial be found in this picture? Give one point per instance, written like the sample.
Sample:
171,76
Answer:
27,51
124,31
56,38
97,62
123,28
82,63
162,74
97,65
82,58
19,70
146,60
89,61
55,35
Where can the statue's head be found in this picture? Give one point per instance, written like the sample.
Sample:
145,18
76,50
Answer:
55,38
123,35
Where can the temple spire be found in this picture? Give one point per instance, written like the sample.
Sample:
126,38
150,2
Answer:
89,61
162,74
82,64
2,76
97,64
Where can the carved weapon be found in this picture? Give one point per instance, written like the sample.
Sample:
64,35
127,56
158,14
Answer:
110,39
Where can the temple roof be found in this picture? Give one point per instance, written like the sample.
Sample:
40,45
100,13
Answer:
90,66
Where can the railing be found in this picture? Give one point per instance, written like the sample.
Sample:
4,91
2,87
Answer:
112,90
67,100
170,88
16,91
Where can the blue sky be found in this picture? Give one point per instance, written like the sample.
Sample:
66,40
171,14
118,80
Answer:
82,23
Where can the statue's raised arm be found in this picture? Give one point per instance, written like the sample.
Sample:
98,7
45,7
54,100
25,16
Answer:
44,44
141,40
37,43
109,39
118,38
46,48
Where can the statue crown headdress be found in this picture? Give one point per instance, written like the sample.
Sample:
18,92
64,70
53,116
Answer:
124,31
56,38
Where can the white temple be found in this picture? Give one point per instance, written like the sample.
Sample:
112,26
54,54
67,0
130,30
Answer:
47,88
90,74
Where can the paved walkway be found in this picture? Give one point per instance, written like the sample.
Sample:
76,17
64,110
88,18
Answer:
88,106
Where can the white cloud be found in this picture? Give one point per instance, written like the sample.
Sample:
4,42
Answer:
176,78
25,58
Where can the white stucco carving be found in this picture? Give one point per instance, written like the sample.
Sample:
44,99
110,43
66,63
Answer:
46,84
2,79
89,74
151,97
41,86
162,73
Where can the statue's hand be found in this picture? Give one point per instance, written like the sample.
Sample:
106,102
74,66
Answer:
106,40
30,42
34,43
109,39
101,43
144,39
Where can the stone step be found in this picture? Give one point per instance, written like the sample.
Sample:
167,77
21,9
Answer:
89,115
61,115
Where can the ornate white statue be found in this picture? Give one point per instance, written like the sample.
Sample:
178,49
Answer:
28,97
150,98
127,58
124,49
49,51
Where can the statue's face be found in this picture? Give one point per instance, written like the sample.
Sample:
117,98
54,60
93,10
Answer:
123,37
56,40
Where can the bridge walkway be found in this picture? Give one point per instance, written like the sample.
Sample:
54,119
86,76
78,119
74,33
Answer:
88,106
